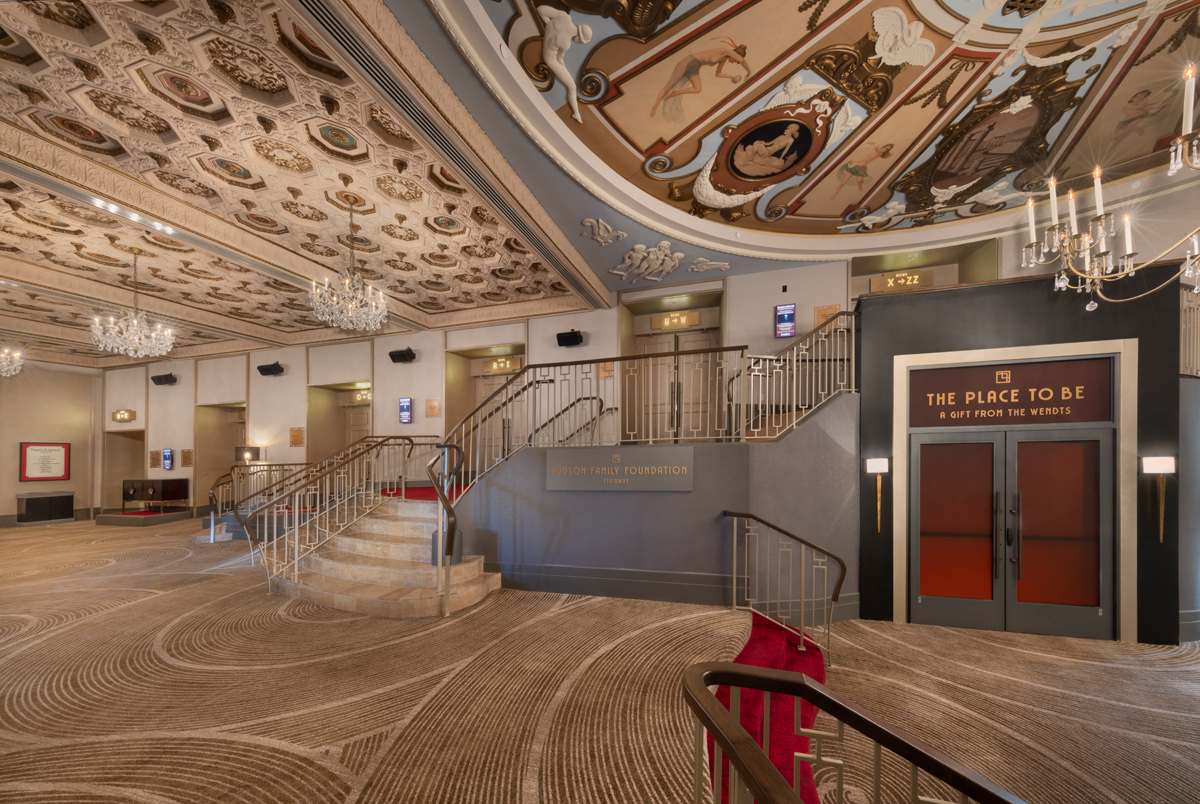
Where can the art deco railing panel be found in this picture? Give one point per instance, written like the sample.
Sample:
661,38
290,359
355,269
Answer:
854,756
783,577
1189,332
778,391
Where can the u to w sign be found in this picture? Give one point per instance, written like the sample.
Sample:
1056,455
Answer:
1047,392
619,469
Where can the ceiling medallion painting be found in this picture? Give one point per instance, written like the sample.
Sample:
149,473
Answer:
679,109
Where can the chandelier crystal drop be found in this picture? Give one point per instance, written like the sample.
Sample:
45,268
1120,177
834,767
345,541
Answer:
132,334
349,303
10,363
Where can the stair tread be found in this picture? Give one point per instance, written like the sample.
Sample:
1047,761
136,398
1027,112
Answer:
343,557
404,518
343,586
386,538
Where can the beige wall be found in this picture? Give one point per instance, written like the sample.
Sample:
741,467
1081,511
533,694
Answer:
125,389
276,404
422,379
124,459
171,417
750,302
601,337
221,380
217,435
326,424
41,404
339,363
485,336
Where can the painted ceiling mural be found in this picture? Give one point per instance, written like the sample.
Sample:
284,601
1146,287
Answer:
239,112
829,117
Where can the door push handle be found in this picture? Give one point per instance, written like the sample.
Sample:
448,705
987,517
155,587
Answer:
1009,538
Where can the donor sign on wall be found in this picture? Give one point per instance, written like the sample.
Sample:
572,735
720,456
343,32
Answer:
1048,392
619,469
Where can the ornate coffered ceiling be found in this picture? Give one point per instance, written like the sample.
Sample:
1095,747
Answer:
225,144
827,127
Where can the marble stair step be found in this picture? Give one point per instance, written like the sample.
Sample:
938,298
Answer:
385,601
383,545
393,506
397,526
387,571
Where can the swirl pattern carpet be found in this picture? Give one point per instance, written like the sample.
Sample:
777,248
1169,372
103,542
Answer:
136,666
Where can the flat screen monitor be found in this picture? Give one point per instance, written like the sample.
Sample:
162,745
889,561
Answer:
406,410
785,321
168,459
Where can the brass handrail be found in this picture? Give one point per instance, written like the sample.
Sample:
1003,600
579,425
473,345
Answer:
837,587
499,407
357,450
588,423
225,479
562,412
538,366
760,775
451,519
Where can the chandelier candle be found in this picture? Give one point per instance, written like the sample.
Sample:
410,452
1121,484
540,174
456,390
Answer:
1032,227
1054,200
1099,197
1128,236
1071,207
1189,99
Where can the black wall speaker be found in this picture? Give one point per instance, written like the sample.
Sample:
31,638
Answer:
163,379
572,338
271,369
405,355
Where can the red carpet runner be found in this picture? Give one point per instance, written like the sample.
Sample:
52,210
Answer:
777,648
425,493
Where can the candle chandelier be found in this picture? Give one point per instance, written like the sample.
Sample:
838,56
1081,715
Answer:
10,363
1090,258
131,334
350,303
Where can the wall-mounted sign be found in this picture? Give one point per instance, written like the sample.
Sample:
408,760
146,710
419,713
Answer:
824,313
406,410
502,365
619,469
433,408
1015,393
124,415
680,319
168,458
785,321
901,280
156,459
360,397
185,458
295,436
45,461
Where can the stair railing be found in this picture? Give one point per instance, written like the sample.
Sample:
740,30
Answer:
780,390
789,580
293,517
567,411
846,750
447,529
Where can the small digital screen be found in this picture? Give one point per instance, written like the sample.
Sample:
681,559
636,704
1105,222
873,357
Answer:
785,321
168,459
406,410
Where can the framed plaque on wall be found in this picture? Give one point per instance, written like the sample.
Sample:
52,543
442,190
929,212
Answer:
45,461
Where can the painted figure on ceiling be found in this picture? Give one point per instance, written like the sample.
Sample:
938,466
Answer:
857,168
761,158
685,78
1139,110
560,32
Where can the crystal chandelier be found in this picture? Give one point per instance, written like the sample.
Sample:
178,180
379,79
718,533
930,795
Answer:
350,303
10,363
132,334
1089,257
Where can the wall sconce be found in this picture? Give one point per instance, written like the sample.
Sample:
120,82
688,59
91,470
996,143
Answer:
246,454
1161,467
879,468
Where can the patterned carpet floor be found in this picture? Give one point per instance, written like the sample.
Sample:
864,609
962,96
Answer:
136,666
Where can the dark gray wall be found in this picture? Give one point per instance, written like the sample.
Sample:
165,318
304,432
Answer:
1189,509
667,545
808,484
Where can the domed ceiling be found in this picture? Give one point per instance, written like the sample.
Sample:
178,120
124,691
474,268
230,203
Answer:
739,124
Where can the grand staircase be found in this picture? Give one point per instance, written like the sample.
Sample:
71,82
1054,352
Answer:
381,566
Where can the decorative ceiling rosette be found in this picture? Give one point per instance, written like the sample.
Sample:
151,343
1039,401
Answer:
399,187
304,212
345,199
261,223
78,133
387,128
337,140
231,172
280,154
300,44
248,69
182,92
132,117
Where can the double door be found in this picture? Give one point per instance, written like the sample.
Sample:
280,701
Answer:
676,394
1013,531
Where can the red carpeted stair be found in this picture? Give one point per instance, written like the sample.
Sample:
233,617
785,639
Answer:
775,647
425,493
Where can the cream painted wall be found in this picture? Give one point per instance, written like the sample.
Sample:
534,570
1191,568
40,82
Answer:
750,302
125,389
221,380
485,336
171,416
276,404
40,404
422,379
601,337
341,362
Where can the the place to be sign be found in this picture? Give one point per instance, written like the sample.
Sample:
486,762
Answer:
649,468
1048,392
